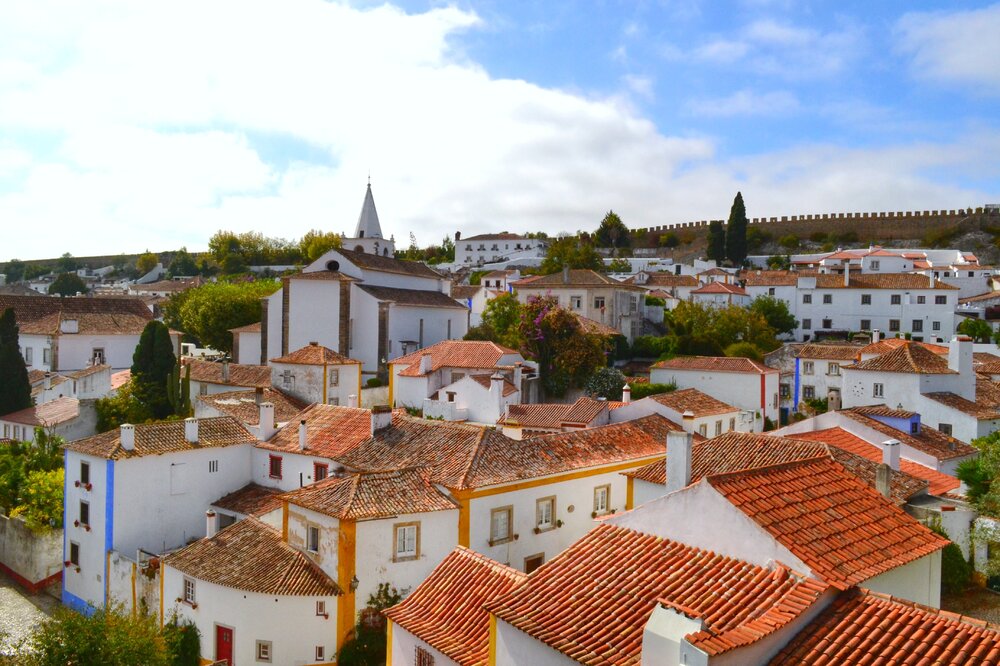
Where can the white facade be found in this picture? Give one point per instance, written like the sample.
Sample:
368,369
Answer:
468,400
331,384
708,425
404,645
489,248
751,392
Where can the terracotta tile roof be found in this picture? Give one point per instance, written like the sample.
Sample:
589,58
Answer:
585,410
721,288
119,379
900,281
668,280
862,627
886,411
249,376
578,277
414,297
500,236
250,500
594,327
462,292
986,363
243,405
536,415
330,430
988,392
988,296
691,399
46,415
484,381
889,344
89,370
374,495
95,316
977,410
54,381
845,531
454,354
739,451
165,437
592,601
35,376
446,610
374,262
250,556
249,328
167,285
321,275
907,358
929,440
939,482
829,352
772,278
715,364
315,354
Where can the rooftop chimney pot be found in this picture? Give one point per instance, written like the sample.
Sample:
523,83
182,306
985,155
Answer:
626,394
890,453
381,418
883,480
210,524
678,462
126,433
302,435
265,423
191,430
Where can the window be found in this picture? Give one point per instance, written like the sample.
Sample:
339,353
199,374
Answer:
288,380
188,590
97,356
334,375
320,653
866,324
28,354
732,423
312,538
545,513
202,389
971,274
833,369
827,299
827,323
320,608
918,326
895,299
784,390
921,300
945,428
893,324
807,324
602,499
423,658
501,525
449,329
576,302
84,473
807,298
935,326
914,427
420,335
320,471
878,391
808,392
407,541
264,651
84,513
940,300
74,553
532,562
274,467
807,367
213,466
47,356
866,299
718,428
875,264
703,430
770,291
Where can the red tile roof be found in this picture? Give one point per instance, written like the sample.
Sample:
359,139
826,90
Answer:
845,531
375,262
578,277
661,279
330,430
912,358
94,316
715,364
250,556
315,354
939,482
978,410
594,327
862,627
693,400
720,288
120,378
902,281
454,354
592,601
165,437
413,297
248,376
370,496
889,344
485,381
829,352
243,405
554,415
46,415
447,609
929,440
250,500
249,328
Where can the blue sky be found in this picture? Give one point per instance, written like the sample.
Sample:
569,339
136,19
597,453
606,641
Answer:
126,126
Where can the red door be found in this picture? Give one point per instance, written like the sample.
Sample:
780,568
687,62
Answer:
224,644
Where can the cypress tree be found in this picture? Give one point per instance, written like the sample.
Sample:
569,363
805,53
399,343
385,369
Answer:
736,232
152,364
15,389
716,241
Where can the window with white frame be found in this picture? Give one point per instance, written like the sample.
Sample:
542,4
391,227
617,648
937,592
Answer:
703,430
807,324
320,653
921,300
576,302
827,299
896,299
875,264
407,541
47,355
545,509
808,367
320,608
264,651
312,538
501,524
808,392
878,391
598,302
866,299
334,375
602,499
732,423
807,298
945,428
940,300
935,326
866,324
189,597
718,427
28,355
833,369
893,324
203,389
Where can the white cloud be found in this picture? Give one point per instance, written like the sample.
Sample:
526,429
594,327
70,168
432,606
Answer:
721,51
960,47
640,85
746,103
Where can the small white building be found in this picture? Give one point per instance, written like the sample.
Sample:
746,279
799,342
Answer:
65,417
211,377
490,248
699,413
317,374
477,398
246,345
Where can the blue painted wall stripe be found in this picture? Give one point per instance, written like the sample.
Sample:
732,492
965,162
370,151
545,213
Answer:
65,522
795,396
109,521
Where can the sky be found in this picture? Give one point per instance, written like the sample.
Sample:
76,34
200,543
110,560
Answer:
127,126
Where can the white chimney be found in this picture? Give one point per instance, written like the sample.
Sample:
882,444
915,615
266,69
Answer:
876,335
626,394
425,363
960,360
565,274
69,326
191,430
265,424
302,435
883,480
847,273
687,421
126,433
47,384
890,453
496,391
381,418
930,279
352,400
833,401
678,459
225,372
210,524
518,373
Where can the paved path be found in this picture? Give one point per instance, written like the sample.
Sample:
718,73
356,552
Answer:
20,612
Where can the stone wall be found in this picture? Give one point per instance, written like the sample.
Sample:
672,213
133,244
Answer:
33,560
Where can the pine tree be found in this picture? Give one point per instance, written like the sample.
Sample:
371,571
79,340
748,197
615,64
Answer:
152,364
736,232
716,241
15,389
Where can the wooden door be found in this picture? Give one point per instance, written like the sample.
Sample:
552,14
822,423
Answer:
224,644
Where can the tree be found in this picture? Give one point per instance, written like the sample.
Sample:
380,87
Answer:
40,503
120,407
736,232
66,263
182,264
612,232
977,329
605,383
620,266
789,242
233,264
572,251
208,312
744,350
368,642
68,284
146,262
110,636
779,262
152,363
716,241
775,311
179,390
500,322
669,239
315,243
15,389
14,270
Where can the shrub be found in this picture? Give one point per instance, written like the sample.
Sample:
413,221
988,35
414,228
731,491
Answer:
605,383
653,300
746,350
651,346
818,237
41,503
644,390
956,573
183,642
789,242
374,382
669,239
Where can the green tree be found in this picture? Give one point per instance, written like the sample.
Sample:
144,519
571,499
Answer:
41,500
572,251
789,242
208,312
179,390
500,323
182,264
745,350
233,264
775,311
110,637
779,262
146,262
977,329
152,364
68,284
736,232
120,407
66,263
183,642
620,266
756,238
14,270
612,232
15,389
315,243
716,241
605,383
367,644
669,239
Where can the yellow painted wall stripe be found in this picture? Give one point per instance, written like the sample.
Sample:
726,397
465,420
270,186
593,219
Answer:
388,643
493,640
161,593
346,557
629,493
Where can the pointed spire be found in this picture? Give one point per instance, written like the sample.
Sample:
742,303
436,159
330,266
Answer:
368,225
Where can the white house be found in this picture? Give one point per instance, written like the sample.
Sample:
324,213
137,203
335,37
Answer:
720,294
489,248
86,384
698,412
819,370
677,286
477,398
317,374
211,377
741,382
246,345
65,417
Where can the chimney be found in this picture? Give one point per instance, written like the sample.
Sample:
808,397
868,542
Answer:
225,372
847,273
126,433
496,391
930,279
425,364
381,418
302,435
518,374
883,480
890,453
626,394
566,274
687,420
313,343
48,381
678,459
265,426
69,326
209,524
833,401
960,360
191,430
876,335
352,400
258,395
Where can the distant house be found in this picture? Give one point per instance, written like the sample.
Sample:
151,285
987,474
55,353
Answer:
719,293
698,412
208,377
489,248
317,374
63,417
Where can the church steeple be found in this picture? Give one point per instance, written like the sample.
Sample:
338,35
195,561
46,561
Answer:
368,225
